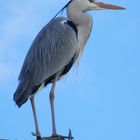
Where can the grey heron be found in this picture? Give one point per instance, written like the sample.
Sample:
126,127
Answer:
54,51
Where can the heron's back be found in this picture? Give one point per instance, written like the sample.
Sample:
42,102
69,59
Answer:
54,50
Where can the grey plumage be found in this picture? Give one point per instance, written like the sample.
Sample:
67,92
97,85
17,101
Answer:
45,57
53,52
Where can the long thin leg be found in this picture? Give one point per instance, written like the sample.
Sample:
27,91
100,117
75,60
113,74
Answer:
52,108
35,118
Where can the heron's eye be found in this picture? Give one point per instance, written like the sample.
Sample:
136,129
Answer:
91,1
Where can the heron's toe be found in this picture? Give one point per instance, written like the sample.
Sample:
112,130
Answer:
37,135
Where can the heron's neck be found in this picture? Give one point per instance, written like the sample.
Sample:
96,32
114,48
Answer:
78,17
83,21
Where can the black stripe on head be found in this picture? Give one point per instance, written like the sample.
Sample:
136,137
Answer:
62,9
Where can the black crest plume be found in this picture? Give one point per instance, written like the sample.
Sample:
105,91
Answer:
62,9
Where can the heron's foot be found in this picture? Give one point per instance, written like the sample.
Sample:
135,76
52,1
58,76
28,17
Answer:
60,137
37,135
54,137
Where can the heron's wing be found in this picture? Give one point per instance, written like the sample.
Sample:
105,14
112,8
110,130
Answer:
52,50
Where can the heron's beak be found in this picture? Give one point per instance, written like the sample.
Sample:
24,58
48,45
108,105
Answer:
108,6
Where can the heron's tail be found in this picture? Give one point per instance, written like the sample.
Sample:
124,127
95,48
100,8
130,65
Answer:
23,92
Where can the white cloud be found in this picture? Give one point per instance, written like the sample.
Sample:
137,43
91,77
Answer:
21,22
13,28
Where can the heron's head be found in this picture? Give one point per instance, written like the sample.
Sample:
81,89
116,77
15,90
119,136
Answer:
86,5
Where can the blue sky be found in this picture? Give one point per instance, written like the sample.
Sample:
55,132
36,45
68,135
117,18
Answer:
100,100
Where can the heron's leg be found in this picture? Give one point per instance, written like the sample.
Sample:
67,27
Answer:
52,108
35,118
